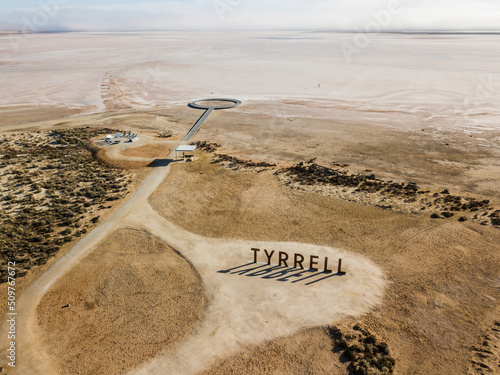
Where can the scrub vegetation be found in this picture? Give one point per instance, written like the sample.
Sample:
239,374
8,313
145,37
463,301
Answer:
52,191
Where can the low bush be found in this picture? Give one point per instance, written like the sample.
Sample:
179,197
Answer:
60,167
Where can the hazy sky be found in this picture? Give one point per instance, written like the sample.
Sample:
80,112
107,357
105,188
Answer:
375,15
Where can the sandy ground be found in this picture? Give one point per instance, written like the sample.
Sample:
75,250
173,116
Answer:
254,302
18,116
393,145
35,360
446,77
139,154
309,300
141,121
462,160
147,151
443,291
127,280
307,352
426,305
408,107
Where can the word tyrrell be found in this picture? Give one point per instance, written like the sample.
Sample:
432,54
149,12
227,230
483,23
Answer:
297,261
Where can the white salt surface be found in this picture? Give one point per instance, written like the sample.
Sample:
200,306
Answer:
441,75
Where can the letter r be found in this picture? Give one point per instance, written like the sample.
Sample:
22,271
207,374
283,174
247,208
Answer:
283,257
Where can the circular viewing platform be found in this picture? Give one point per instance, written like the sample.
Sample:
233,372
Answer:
211,103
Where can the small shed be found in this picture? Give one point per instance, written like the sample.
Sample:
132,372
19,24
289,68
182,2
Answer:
188,152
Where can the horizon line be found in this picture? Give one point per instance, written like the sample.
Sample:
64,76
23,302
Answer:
347,31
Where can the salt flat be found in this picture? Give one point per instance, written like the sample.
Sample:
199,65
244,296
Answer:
433,75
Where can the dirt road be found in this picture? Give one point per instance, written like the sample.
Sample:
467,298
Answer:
31,357
248,303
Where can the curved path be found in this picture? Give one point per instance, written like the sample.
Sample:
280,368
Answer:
248,303
32,359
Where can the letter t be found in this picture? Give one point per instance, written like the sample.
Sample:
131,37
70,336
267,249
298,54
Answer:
255,254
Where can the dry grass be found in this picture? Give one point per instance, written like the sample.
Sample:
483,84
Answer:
123,164
148,151
433,158
308,352
441,301
331,350
217,202
130,298
442,294
51,192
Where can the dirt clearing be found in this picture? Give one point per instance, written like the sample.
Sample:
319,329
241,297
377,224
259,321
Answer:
148,151
132,297
443,288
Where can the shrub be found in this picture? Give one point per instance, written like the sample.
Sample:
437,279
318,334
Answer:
66,169
362,349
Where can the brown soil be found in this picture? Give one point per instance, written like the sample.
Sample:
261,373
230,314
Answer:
176,121
308,352
137,176
125,164
331,350
486,355
12,117
433,158
441,305
365,188
130,298
148,151
443,291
